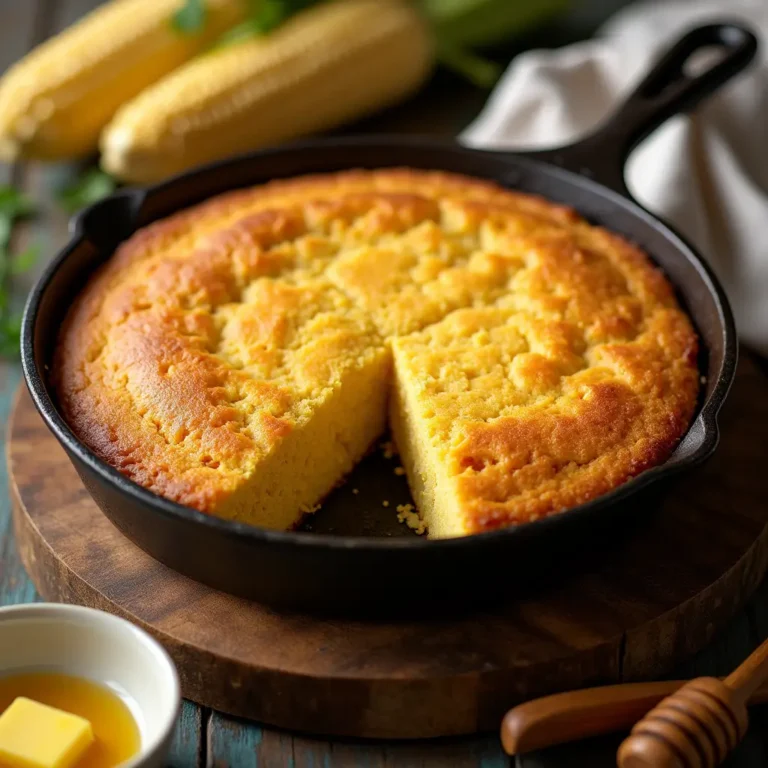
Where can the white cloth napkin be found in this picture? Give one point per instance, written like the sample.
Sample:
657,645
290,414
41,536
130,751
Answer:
706,174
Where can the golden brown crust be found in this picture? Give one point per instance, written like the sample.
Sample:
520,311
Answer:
209,336
606,424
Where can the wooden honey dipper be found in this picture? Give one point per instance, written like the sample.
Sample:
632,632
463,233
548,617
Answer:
564,717
699,724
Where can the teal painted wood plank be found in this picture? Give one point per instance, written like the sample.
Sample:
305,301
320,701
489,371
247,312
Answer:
186,750
233,742
590,753
15,586
475,752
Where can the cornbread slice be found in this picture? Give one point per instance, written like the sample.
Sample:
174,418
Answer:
219,376
237,357
503,417
241,413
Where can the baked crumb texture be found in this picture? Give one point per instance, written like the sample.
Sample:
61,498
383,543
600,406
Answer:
408,515
238,357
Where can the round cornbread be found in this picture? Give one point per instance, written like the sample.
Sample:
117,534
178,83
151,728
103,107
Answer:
238,357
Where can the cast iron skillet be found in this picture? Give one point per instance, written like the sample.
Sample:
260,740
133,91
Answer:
345,566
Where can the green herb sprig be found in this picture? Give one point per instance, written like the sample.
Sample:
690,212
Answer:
90,187
263,17
190,18
462,27
13,206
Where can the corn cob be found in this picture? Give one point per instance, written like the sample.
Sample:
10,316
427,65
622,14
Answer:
55,101
328,64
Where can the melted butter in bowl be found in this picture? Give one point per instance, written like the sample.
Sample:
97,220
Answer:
93,666
116,735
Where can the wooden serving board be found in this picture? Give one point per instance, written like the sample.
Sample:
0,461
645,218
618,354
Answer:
637,611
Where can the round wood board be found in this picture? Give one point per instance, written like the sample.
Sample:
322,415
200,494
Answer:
638,611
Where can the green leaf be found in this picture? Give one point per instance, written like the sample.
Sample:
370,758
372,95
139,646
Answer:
9,346
6,226
244,31
92,186
190,18
265,17
24,261
10,332
12,324
13,203
271,14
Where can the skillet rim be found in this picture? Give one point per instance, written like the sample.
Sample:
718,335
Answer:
705,418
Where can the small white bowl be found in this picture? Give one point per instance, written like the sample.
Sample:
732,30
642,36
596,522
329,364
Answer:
103,648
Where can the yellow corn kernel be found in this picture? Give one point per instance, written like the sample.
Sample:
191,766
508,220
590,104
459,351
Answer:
55,101
328,64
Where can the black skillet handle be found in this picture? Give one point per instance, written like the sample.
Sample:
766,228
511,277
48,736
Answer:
666,91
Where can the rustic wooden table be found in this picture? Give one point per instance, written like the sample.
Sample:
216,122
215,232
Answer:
209,738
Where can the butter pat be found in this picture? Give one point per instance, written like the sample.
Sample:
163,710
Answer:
35,735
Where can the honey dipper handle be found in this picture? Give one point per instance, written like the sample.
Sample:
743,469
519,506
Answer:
750,675
574,715
565,717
